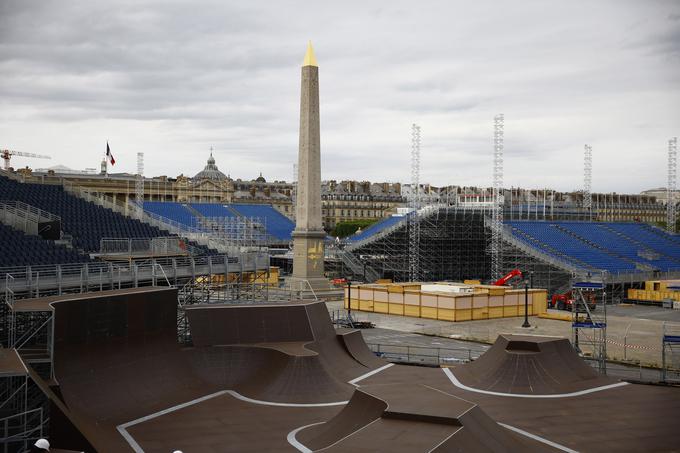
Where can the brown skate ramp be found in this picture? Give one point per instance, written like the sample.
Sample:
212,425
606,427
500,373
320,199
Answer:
530,365
412,417
355,345
11,364
116,358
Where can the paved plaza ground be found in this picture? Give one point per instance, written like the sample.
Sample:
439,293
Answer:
633,334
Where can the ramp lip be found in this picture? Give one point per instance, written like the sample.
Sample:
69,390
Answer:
449,374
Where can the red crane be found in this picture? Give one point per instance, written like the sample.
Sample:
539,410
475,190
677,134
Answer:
506,278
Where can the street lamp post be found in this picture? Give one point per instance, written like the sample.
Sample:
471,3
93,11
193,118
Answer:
526,304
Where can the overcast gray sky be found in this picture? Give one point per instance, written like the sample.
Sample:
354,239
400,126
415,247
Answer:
174,78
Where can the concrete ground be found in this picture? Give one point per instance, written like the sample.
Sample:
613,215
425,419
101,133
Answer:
633,333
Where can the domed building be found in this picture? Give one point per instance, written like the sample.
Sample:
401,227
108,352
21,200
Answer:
211,171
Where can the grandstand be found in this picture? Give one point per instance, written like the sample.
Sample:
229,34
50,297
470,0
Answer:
86,222
376,229
19,249
453,246
279,228
612,247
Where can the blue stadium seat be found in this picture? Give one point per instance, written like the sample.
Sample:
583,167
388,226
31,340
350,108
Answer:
19,249
376,228
86,222
614,247
277,224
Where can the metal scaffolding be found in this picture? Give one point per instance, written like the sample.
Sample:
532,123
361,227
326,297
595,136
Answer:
237,231
414,204
671,215
496,244
452,244
588,180
589,321
139,185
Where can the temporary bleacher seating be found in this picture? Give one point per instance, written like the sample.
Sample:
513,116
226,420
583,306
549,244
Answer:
613,247
376,228
19,249
278,226
86,222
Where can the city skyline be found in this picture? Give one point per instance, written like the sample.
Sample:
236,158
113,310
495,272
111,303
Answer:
174,79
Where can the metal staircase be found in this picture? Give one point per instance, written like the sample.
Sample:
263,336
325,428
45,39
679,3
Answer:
357,267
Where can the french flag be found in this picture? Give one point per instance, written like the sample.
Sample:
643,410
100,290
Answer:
109,156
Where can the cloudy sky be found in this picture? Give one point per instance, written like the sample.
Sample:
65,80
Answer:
173,78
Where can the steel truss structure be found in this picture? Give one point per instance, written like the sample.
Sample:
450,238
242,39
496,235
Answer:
496,243
671,215
414,204
139,185
452,244
589,321
588,180
236,231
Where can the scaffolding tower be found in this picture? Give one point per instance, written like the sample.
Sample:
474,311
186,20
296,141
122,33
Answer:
237,231
496,244
452,244
670,189
589,321
588,180
414,204
139,185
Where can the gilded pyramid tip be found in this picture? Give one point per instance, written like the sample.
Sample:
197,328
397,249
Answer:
310,59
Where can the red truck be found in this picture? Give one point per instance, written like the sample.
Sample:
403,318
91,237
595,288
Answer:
566,300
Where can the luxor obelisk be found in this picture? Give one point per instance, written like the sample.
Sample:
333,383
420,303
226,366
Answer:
308,237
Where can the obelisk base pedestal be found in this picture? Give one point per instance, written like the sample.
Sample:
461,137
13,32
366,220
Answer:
308,266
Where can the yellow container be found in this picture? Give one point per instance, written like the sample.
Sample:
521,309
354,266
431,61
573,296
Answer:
396,309
480,313
366,305
446,314
495,312
381,307
464,314
412,310
510,311
428,312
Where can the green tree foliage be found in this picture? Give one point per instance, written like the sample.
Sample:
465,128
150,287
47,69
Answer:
344,229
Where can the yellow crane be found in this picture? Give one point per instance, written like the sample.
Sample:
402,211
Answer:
7,154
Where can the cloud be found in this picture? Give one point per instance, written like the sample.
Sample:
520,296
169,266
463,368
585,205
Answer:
172,78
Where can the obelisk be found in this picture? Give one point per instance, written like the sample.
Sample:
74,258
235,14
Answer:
308,236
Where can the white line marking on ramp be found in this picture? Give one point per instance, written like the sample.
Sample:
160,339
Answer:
293,440
460,385
369,374
273,403
122,429
538,438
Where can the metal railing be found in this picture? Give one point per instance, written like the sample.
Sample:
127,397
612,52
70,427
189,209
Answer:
171,245
423,355
33,281
23,216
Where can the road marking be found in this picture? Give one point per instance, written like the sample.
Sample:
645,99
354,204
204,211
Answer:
460,385
369,374
538,438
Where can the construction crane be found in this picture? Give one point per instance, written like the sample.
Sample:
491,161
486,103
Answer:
8,153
